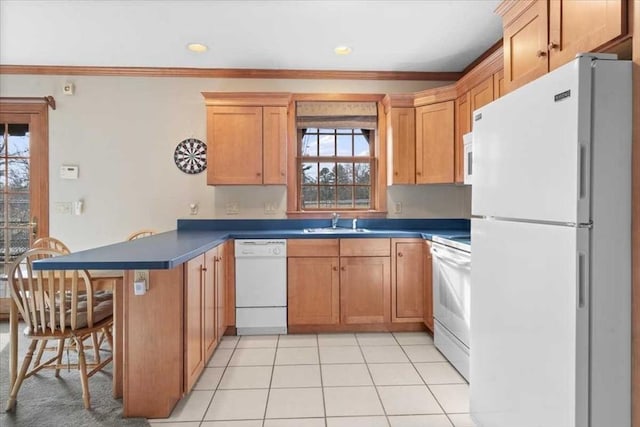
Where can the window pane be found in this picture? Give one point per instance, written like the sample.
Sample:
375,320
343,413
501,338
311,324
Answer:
18,175
19,208
309,197
312,130
331,131
309,145
345,130
345,173
2,198
18,241
327,145
18,140
309,173
362,173
345,146
357,131
345,197
3,143
327,196
363,197
327,173
361,146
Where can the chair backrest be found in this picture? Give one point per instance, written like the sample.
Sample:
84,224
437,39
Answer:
50,243
50,300
141,233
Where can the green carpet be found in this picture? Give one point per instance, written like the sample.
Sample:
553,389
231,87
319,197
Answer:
45,400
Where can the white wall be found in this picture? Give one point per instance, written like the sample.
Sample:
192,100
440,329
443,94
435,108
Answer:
122,131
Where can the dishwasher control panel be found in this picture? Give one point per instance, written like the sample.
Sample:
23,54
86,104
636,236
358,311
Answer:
260,248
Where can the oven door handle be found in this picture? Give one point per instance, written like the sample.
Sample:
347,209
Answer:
449,257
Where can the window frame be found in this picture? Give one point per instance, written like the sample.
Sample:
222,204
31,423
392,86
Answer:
378,194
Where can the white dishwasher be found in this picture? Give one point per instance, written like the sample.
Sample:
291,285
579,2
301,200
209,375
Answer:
261,286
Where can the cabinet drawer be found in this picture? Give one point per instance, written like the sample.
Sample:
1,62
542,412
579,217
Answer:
312,247
365,247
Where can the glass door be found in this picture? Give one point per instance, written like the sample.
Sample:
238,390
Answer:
23,185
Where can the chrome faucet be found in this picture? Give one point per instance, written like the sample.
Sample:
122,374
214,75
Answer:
354,223
334,219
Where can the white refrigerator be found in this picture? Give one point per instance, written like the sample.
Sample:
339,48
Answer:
551,259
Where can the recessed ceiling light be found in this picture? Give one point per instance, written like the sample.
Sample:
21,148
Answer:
197,47
342,50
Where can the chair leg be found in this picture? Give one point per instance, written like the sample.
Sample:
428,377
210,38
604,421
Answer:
41,349
11,403
83,373
96,347
59,358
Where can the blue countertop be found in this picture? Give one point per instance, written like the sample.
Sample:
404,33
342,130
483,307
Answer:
194,237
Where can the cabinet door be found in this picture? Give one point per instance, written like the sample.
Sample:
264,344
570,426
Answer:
525,45
365,290
582,26
434,143
498,84
193,332
221,290
313,291
234,145
209,303
403,142
407,282
463,126
428,288
482,94
274,143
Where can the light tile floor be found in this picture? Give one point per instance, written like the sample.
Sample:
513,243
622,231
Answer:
326,380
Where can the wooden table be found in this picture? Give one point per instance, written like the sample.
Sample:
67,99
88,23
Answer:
102,280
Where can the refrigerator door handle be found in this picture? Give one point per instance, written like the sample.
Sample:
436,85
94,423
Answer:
581,279
583,172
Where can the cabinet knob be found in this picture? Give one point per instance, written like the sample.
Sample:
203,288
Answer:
343,269
203,268
281,173
258,174
553,46
419,173
395,173
335,268
541,54
400,254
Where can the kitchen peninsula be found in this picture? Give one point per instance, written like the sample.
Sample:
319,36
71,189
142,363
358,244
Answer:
165,337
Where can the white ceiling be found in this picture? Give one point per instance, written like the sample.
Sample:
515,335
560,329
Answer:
412,35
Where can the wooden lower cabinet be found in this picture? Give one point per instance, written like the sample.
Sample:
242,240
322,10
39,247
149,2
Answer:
204,311
428,287
365,290
313,291
193,321
407,280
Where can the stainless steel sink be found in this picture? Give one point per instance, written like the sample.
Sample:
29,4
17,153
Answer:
337,230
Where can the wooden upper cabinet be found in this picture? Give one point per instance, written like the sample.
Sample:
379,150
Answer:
582,26
403,145
498,84
541,35
482,94
246,137
525,42
435,143
274,144
234,136
463,126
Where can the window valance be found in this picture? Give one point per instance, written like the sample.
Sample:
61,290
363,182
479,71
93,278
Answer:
336,115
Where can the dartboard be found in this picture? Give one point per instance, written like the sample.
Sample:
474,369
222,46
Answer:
191,156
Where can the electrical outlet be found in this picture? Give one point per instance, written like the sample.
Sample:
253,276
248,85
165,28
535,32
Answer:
397,207
63,208
269,208
231,208
140,282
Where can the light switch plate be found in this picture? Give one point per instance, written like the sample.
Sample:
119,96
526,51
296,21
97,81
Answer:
231,208
397,207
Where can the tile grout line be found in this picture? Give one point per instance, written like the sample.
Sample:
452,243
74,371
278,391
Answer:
324,402
424,381
215,391
273,368
375,387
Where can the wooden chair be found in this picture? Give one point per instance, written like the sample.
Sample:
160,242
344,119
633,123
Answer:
50,243
140,233
57,305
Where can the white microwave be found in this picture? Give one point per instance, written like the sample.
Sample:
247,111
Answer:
468,157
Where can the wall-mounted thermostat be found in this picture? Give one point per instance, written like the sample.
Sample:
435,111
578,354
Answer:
69,172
